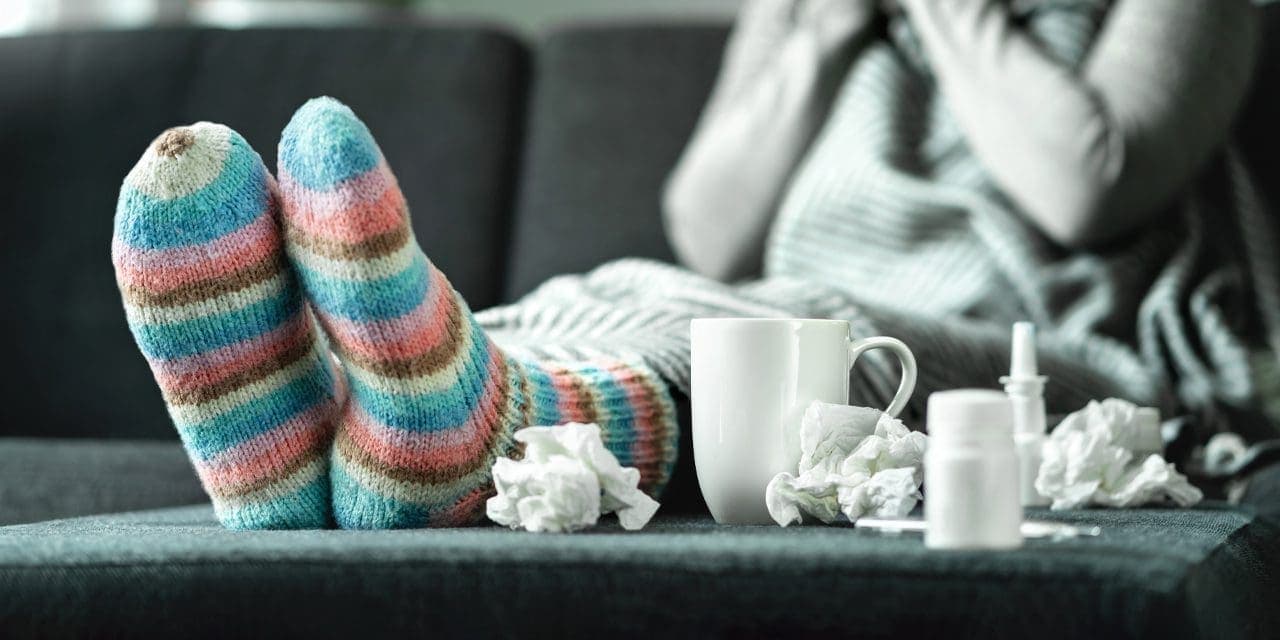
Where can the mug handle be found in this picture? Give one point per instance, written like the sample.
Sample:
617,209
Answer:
908,360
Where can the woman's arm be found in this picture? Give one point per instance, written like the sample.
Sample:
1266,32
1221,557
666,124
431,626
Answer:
781,67
1091,154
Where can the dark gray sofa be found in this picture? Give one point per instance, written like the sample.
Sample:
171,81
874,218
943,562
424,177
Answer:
520,161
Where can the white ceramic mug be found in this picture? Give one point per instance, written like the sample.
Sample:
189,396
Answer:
752,379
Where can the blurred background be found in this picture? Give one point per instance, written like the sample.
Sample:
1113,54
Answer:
526,16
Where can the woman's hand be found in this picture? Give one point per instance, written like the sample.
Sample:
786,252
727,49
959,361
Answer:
1091,155
782,66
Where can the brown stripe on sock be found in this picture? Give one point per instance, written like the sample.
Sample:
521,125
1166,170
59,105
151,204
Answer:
256,273
527,405
314,450
383,244
355,454
429,362
652,473
298,349
514,412
585,401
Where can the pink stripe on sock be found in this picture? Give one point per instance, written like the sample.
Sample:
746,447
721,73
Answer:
362,189
430,451
161,270
202,369
266,454
642,449
367,205
568,396
413,334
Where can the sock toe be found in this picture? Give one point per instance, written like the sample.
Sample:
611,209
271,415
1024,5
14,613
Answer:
325,144
193,184
182,160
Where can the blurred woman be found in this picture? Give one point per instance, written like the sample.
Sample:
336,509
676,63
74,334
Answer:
958,165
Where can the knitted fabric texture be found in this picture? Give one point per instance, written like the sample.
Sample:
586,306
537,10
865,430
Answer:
433,401
220,318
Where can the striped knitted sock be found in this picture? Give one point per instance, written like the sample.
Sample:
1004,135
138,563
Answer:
433,401
219,316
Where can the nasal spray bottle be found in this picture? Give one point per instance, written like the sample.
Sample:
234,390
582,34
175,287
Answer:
1025,387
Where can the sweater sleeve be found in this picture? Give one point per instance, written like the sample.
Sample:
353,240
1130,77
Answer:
778,76
1092,153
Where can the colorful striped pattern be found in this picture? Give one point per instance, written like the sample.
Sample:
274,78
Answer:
220,318
433,401
628,400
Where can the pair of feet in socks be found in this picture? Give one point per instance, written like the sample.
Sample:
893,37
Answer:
231,279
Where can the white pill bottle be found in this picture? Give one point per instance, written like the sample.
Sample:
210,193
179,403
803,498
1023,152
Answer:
971,487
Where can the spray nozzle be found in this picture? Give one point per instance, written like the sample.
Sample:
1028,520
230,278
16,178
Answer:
1022,363
1023,369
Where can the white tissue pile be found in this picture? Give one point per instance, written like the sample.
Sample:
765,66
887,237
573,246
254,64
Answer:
565,482
1087,461
854,461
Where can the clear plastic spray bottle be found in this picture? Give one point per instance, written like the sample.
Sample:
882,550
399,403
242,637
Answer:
1025,388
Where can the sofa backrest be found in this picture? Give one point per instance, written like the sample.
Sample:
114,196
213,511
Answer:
610,111
78,109
1260,121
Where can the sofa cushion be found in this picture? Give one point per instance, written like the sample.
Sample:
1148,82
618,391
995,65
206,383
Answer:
78,109
43,479
610,112
1152,574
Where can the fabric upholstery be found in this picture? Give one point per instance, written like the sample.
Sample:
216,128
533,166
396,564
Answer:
1258,126
1262,492
43,479
77,109
1152,574
610,111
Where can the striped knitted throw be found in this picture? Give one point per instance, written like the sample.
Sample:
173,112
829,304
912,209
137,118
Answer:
891,222
433,402
220,318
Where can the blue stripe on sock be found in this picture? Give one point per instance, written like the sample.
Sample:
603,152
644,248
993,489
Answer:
545,412
198,335
432,411
237,197
357,507
325,144
215,435
365,301
307,508
621,424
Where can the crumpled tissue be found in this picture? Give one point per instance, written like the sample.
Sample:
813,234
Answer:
1087,460
566,480
854,461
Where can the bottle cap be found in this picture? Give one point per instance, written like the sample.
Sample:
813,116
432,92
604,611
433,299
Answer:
970,414
1022,361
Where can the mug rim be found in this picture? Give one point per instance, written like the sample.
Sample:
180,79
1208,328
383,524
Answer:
766,321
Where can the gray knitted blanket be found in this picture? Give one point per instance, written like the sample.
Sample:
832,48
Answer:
892,224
